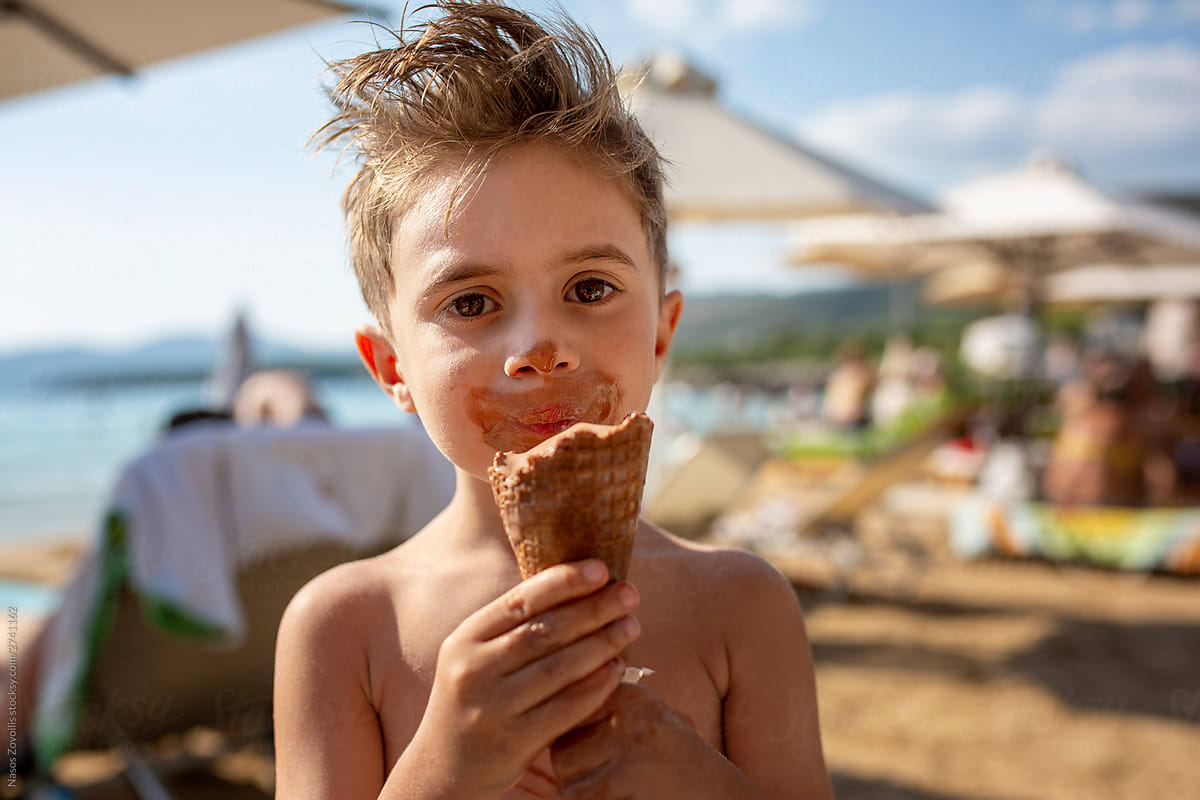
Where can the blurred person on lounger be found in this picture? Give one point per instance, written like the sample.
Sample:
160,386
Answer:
278,397
848,389
1098,455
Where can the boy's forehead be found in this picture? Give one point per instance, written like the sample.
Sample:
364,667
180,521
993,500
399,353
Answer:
533,198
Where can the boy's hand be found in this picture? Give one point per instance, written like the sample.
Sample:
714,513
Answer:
520,672
636,747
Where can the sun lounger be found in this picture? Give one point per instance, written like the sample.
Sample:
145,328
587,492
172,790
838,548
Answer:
170,620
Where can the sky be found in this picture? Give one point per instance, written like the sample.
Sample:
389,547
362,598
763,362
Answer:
131,210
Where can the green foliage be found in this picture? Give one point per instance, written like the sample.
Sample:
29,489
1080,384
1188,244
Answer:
872,442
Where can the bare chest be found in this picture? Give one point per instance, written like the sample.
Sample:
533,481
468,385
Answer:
686,657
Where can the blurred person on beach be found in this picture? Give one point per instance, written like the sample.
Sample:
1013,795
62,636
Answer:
893,391
507,229
848,389
927,376
1114,445
1186,393
1158,425
278,397
1061,361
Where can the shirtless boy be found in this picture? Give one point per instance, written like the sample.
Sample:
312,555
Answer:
508,232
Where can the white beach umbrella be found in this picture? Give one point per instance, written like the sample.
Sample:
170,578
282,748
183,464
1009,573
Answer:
982,283
1041,218
1114,283
726,168
49,43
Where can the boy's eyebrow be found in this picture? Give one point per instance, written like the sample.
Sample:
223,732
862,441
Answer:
455,273
606,252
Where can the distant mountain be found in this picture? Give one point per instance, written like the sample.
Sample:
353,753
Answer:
176,358
733,322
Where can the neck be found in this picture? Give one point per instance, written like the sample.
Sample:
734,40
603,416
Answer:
472,517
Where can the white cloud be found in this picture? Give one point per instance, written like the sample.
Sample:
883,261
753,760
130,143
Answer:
1126,102
665,15
919,139
1129,14
1132,114
1116,15
759,14
1186,10
709,19
1082,17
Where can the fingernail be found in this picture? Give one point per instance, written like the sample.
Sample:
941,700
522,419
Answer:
627,596
594,571
631,626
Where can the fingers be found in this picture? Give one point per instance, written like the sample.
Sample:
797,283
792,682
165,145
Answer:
617,705
540,679
559,627
585,749
562,712
529,598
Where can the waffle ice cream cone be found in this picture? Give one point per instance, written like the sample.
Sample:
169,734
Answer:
576,495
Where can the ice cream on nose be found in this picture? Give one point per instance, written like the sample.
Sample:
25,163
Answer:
576,495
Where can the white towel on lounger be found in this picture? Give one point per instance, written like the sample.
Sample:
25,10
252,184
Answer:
212,498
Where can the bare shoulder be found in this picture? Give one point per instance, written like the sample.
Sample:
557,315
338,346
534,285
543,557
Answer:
337,616
346,599
725,573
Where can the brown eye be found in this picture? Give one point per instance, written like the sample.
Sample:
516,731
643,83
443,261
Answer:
592,290
469,305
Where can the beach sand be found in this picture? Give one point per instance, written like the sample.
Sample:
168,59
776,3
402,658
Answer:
49,561
1009,680
936,678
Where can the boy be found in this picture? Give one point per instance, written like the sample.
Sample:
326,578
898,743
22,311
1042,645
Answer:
508,232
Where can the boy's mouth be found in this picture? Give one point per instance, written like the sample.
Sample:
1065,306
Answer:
554,414
525,429
517,422
527,435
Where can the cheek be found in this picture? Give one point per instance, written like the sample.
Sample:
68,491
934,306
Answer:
442,380
444,376
628,351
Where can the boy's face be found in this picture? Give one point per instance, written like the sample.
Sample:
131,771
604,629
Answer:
537,306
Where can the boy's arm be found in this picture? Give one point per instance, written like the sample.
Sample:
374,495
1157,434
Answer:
327,737
771,728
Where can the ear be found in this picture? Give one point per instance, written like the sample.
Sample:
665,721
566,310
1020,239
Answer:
669,313
379,357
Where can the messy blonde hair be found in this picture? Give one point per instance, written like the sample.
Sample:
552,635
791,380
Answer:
471,82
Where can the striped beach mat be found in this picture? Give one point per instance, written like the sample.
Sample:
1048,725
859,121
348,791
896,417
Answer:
1165,539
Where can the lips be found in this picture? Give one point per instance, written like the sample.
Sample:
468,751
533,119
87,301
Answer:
518,421
525,431
548,415
531,427
546,429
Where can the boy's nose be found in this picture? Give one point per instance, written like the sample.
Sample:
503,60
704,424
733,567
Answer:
543,358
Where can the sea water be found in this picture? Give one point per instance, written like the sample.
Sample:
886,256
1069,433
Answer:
61,451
